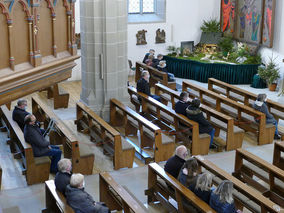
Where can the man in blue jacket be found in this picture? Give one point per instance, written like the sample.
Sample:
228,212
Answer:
41,147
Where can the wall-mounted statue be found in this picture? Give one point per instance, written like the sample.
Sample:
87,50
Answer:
160,36
141,37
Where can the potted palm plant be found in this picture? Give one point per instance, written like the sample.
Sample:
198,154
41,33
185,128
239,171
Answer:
270,73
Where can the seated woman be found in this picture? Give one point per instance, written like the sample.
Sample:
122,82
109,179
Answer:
203,187
163,67
62,177
79,199
188,173
260,105
194,113
221,200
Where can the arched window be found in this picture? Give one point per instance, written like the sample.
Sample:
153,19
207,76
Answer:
146,11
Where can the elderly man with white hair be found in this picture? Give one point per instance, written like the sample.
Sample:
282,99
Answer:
175,163
62,178
79,199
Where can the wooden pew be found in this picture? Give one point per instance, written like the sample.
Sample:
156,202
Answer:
36,169
155,75
166,119
244,195
278,160
158,190
245,97
243,115
150,135
248,166
89,122
117,197
81,156
59,95
55,200
234,135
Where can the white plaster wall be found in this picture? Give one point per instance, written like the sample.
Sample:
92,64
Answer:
183,21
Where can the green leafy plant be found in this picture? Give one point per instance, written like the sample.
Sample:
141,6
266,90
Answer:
226,44
254,59
211,26
269,73
171,48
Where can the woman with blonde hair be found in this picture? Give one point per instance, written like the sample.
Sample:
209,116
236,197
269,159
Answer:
203,187
221,200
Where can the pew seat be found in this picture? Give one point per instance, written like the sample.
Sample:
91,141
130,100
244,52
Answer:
278,158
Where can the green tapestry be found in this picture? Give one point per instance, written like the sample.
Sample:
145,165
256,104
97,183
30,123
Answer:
199,71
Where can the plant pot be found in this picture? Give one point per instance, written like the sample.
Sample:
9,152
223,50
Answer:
272,87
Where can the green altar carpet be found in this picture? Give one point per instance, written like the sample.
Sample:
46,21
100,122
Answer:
199,71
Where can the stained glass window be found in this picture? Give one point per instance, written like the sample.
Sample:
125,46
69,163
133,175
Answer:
141,6
148,6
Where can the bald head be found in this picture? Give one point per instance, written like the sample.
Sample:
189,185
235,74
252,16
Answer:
181,151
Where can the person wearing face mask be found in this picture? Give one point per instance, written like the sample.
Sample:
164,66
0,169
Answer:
163,67
182,104
80,200
260,105
174,163
62,177
144,86
41,147
19,113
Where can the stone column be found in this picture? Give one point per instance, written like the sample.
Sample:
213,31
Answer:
103,53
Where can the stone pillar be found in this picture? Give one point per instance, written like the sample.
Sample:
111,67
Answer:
103,53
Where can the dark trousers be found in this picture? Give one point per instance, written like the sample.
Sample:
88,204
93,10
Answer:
156,97
55,154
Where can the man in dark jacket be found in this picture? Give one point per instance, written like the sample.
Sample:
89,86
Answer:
181,105
19,113
40,145
62,178
79,199
157,60
260,105
194,113
144,86
175,163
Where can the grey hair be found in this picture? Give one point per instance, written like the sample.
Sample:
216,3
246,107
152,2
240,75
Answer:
21,102
144,73
76,180
225,192
261,97
63,164
204,182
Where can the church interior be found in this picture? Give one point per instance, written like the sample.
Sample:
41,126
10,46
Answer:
143,105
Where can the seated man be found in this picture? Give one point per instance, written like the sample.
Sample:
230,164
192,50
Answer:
175,163
163,67
151,52
260,105
19,113
149,61
143,85
62,177
79,199
157,60
194,113
181,105
40,145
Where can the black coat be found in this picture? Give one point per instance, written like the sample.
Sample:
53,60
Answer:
196,115
19,116
145,57
143,86
174,165
164,69
34,137
62,179
82,202
180,107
